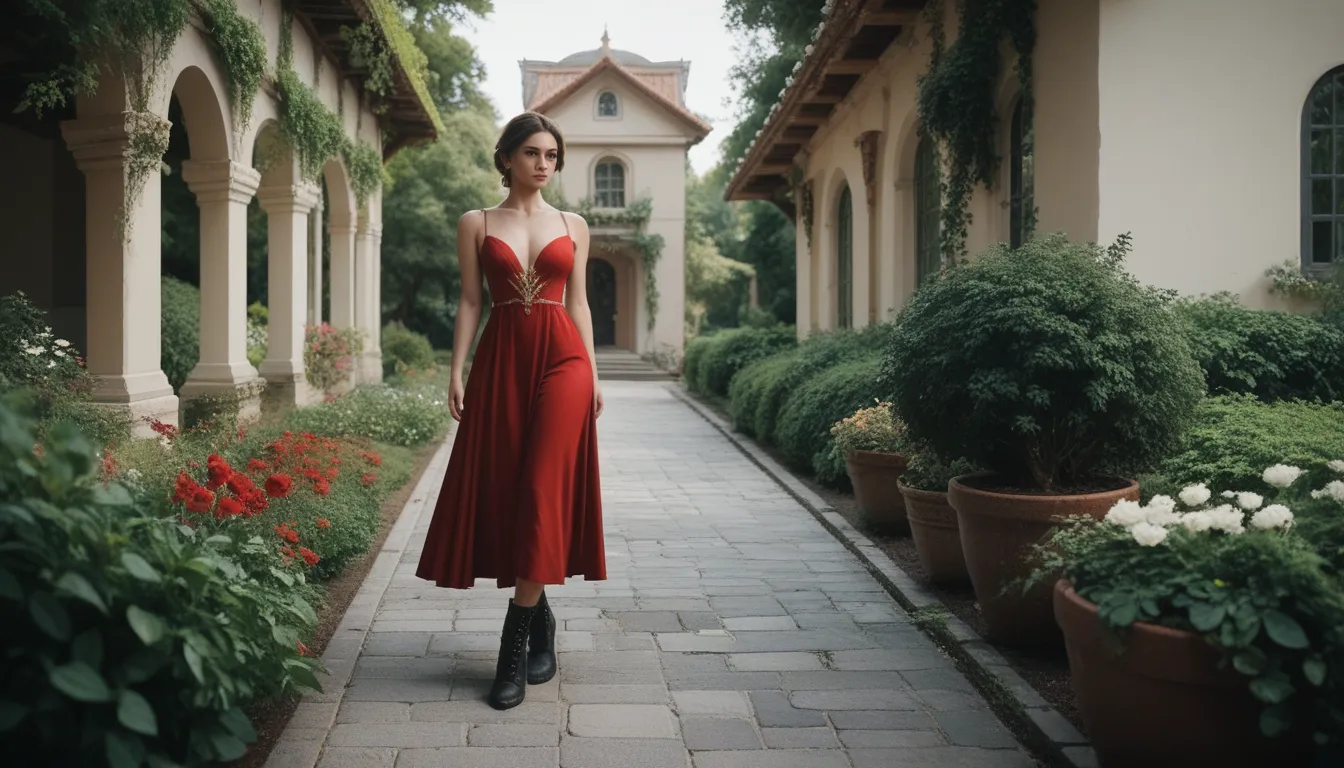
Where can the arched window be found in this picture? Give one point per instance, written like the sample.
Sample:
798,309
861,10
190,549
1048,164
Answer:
1323,172
844,261
609,184
607,105
928,210
1022,178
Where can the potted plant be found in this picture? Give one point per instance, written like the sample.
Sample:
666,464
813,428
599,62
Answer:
871,440
933,522
1059,374
1205,635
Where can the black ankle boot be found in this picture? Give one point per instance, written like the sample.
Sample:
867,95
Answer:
541,664
511,671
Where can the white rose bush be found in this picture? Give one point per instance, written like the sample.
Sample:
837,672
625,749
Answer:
1256,576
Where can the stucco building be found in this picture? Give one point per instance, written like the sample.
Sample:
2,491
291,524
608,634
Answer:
1212,132
627,132
67,248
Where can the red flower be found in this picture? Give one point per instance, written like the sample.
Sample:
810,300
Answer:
256,502
201,501
323,522
310,437
278,486
303,649
240,484
257,465
109,464
218,470
228,507
186,488
372,458
288,534
309,556
160,428
333,473
369,479
322,486
288,553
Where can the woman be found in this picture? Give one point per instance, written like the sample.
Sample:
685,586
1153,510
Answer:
520,502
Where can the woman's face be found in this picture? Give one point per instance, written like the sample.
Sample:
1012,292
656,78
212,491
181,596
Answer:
534,162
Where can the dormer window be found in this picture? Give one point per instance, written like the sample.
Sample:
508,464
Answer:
607,105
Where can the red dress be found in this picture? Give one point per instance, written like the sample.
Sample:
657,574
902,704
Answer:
521,496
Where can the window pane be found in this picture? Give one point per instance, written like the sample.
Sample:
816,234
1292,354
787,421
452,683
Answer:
1339,197
1321,245
1339,147
1321,202
1320,152
1339,240
1321,101
1339,99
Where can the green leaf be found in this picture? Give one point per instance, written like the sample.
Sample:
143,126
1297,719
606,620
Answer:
80,682
238,724
1276,720
227,746
88,648
148,626
50,615
1314,670
112,495
124,750
140,568
194,661
1272,688
11,714
285,635
142,665
1250,662
159,761
1205,617
9,586
1284,630
303,675
14,510
135,712
76,585
219,539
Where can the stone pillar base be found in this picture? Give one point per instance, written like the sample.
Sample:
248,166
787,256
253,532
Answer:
370,367
235,381
143,396
142,412
286,388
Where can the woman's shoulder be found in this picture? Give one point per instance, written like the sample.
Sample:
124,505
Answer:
471,220
577,224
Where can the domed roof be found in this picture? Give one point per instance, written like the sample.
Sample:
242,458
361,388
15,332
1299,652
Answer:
584,58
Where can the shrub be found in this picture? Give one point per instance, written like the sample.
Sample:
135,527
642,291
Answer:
925,471
258,332
1235,437
804,433
405,349
1047,364
129,637
723,354
381,413
749,388
329,355
1272,355
874,428
180,326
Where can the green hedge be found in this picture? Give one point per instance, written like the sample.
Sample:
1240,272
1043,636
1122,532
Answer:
804,433
1236,438
180,324
714,359
749,388
406,349
1272,355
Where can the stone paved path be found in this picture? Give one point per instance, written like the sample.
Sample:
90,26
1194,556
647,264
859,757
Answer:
733,632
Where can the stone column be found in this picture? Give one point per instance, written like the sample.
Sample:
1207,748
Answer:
287,208
223,189
367,310
343,285
124,288
315,270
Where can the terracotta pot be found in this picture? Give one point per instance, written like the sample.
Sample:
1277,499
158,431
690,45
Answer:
933,526
997,531
1163,701
875,475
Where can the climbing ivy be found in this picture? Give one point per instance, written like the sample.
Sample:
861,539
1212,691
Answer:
365,166
650,246
956,100
369,50
242,51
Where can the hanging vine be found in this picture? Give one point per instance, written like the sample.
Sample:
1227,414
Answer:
242,51
956,100
369,51
650,246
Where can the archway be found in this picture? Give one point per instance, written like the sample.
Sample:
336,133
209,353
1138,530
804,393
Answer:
602,301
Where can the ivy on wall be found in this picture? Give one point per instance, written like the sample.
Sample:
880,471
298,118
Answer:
242,50
650,246
957,106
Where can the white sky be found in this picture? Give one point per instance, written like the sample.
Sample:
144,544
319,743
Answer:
549,30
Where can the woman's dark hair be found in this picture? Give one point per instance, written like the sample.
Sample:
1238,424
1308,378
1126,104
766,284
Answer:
519,130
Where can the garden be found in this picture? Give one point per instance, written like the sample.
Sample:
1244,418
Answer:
1138,498
166,600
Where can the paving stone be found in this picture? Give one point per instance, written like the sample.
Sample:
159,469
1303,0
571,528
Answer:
883,720
578,752
397,644
941,757
401,735
724,681
631,721
873,739
480,757
404,668
799,738
312,714
294,754
477,689
760,624
373,712
774,709
479,712
775,662
513,735
357,757
969,728
835,680
718,703
870,699
387,689
718,733
612,694
773,758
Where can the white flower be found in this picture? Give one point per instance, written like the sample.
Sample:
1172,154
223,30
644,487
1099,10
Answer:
1227,519
1194,495
34,350
132,474
1337,465
1273,516
1333,489
1282,475
51,364
1126,513
1161,515
59,353
62,343
1196,522
1249,501
1148,535
1229,494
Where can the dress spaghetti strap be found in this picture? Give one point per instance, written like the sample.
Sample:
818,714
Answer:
485,224
565,220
